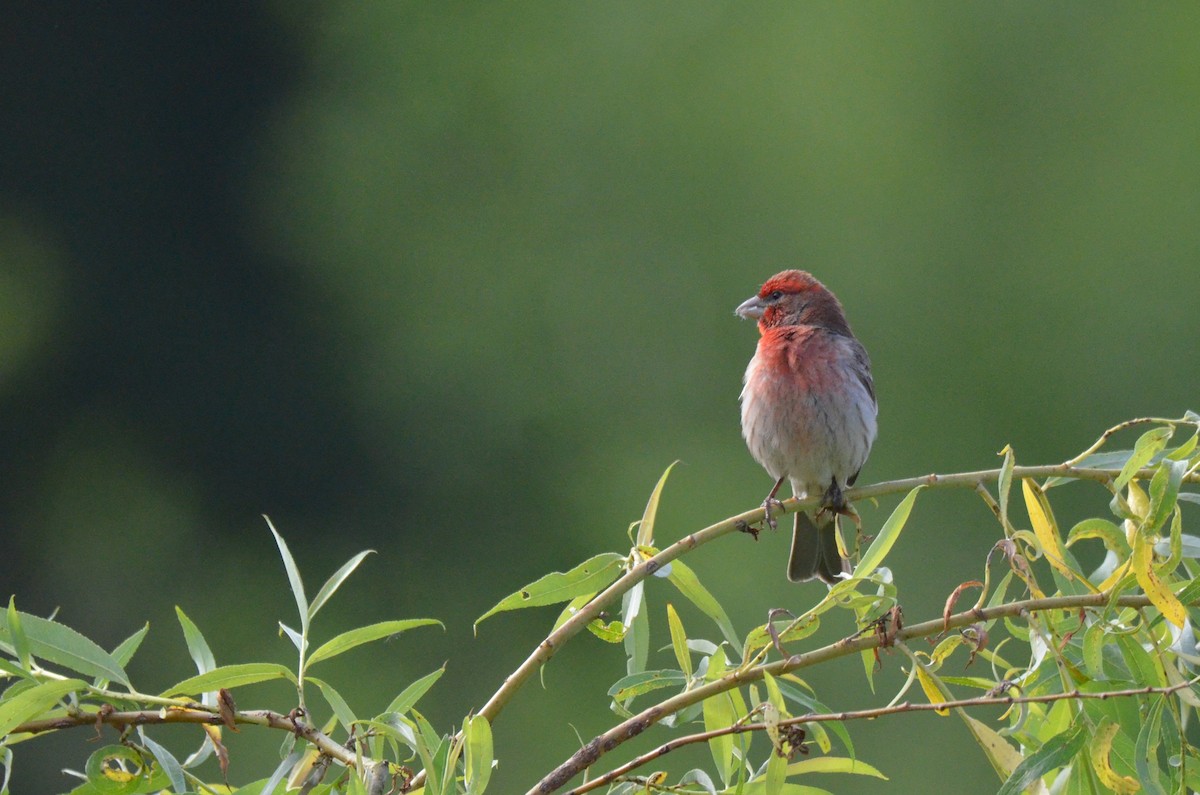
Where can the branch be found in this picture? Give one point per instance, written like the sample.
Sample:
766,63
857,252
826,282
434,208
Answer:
819,717
548,647
194,713
586,756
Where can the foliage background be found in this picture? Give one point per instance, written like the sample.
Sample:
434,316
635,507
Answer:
455,281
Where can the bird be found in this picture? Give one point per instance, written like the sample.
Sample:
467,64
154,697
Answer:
809,413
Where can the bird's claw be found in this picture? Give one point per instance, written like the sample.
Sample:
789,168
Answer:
768,519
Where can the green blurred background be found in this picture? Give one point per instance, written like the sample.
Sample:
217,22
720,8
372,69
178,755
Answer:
454,281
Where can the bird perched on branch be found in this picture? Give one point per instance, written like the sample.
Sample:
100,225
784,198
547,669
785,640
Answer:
808,411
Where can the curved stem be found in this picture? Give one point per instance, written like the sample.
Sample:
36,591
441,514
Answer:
869,714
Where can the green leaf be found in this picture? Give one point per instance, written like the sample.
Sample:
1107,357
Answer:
760,636
335,701
683,578
637,629
588,577
645,535
357,637
886,537
57,643
28,704
335,581
17,634
1057,752
679,641
1004,484
834,764
1112,536
1148,445
293,574
197,646
229,676
1004,758
477,734
115,770
410,695
167,761
1145,755
628,687
719,714
1164,492
128,647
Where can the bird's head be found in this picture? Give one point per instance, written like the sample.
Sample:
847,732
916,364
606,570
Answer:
795,298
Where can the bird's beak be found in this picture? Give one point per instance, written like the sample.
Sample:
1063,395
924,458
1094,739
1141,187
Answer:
751,309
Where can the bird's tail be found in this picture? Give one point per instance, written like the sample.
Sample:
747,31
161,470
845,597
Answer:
815,550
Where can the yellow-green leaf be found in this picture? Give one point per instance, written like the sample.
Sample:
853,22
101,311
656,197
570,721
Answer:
372,632
999,752
29,704
886,537
1159,594
834,764
1148,445
719,714
683,578
932,691
645,533
679,641
478,738
1046,530
1099,751
229,676
588,577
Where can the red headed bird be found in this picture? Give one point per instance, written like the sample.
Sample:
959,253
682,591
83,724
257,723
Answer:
808,410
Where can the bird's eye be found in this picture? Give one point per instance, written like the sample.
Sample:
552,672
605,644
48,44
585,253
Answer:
775,296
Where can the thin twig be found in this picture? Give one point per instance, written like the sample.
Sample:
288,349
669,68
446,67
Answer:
820,717
199,714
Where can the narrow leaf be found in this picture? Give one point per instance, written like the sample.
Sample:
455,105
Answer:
128,647
1004,484
478,764
588,577
679,641
645,535
834,764
29,704
293,574
229,676
410,695
875,554
1046,530
1101,747
1004,758
683,578
719,714
57,643
1148,445
197,646
334,582
1160,595
1164,492
335,701
167,761
628,687
1057,752
357,637
17,634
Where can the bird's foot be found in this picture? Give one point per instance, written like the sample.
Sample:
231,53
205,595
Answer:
768,504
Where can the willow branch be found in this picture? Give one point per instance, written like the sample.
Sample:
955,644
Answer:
878,712
194,713
556,639
586,756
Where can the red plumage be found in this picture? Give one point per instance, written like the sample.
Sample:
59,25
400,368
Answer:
808,409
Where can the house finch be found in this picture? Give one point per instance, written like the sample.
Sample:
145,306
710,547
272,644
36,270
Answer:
808,410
